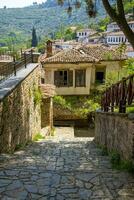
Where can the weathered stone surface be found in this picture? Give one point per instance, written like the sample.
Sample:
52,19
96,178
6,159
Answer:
27,176
116,132
47,114
19,116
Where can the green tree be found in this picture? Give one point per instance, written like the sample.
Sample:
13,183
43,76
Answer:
129,66
34,38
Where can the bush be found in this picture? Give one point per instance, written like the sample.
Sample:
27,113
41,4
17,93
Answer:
81,106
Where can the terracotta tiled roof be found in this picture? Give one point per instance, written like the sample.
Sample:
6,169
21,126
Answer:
69,56
83,54
102,52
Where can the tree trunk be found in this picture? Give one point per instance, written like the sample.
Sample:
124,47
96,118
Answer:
120,19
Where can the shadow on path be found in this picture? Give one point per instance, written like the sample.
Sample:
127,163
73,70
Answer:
62,167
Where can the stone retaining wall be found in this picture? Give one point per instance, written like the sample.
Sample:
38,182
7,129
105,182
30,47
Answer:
20,117
116,132
47,113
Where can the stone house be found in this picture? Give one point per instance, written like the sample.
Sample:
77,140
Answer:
76,71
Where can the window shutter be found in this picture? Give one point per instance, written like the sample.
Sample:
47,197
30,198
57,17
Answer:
70,78
56,78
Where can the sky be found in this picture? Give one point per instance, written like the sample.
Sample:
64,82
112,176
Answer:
18,3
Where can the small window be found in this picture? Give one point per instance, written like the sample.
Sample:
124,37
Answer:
80,78
63,78
99,77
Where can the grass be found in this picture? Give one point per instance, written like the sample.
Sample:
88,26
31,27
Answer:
38,137
22,146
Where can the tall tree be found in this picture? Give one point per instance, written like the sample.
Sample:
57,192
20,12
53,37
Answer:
34,38
115,11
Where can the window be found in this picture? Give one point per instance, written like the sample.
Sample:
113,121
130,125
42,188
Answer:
99,77
80,78
63,78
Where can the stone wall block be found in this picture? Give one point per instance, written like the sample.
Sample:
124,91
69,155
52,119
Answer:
116,132
19,118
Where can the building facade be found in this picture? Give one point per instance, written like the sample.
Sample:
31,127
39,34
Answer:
83,35
113,27
77,71
115,36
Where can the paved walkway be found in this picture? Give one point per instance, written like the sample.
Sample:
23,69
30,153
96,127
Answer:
61,168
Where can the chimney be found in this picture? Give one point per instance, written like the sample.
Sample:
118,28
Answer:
49,48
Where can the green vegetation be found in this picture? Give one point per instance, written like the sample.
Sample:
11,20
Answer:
116,161
21,146
129,66
34,38
37,96
49,19
130,109
79,105
65,33
38,137
114,76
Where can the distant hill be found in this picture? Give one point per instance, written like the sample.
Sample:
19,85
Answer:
46,17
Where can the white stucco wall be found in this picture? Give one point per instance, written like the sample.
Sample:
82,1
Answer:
49,78
91,68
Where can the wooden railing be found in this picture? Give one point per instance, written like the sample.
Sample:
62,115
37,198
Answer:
119,96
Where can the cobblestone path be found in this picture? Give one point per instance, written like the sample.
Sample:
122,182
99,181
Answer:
62,167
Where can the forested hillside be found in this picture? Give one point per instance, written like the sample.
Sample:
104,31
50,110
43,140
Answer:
47,18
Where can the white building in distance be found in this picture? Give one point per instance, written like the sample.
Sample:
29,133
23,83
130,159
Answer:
83,35
113,27
115,36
